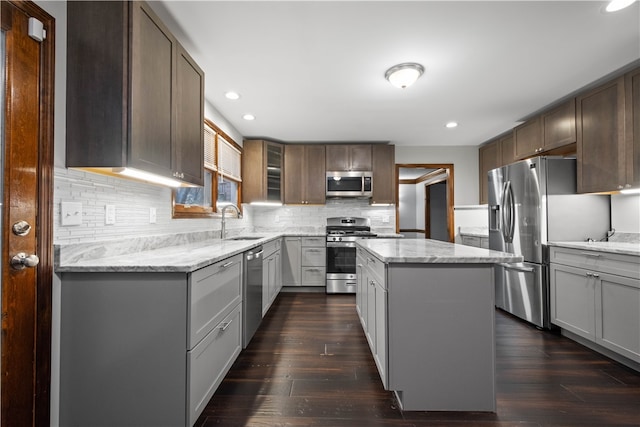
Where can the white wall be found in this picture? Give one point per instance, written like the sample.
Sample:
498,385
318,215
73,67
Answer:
625,213
407,207
465,167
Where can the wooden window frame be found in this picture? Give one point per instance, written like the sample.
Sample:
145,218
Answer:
180,211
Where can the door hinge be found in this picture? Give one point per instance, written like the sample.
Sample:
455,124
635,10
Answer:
36,30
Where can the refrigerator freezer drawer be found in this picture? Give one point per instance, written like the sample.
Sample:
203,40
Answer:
525,292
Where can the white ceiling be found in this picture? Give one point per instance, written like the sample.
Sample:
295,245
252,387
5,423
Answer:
314,70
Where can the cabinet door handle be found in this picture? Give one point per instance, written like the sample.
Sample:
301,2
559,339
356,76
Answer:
596,275
225,325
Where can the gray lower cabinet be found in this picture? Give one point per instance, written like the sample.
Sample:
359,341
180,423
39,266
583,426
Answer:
271,273
430,328
596,296
304,261
147,349
478,242
371,301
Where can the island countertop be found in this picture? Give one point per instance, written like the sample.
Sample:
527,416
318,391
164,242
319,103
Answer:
432,251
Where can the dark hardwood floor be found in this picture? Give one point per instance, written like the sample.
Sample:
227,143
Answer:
309,365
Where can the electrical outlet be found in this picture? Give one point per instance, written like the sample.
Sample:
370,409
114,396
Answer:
385,219
71,213
152,215
110,214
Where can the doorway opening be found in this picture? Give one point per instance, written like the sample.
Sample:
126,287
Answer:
425,201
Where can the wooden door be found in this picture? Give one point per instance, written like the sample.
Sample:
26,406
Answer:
27,154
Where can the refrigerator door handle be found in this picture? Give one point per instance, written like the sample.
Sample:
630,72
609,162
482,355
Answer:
516,268
503,211
507,213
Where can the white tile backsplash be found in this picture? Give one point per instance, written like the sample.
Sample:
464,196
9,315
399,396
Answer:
133,200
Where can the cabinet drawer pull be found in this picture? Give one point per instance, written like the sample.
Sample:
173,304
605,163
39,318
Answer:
225,325
227,265
590,254
596,275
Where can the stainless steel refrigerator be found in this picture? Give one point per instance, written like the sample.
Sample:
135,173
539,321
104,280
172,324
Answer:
533,202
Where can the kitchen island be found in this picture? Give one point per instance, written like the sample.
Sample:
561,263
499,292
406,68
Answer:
427,309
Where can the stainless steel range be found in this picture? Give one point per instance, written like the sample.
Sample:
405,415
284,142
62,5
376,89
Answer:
342,233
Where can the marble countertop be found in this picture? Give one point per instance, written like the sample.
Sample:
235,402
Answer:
177,258
162,253
474,231
610,247
432,251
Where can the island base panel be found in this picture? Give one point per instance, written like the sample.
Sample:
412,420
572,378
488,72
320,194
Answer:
442,336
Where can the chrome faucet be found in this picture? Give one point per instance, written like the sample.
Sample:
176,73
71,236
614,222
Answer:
223,230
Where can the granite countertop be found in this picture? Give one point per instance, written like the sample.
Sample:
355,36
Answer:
432,251
610,247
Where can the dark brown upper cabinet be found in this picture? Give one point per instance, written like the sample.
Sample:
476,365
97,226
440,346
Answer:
490,157
600,138
262,171
304,174
135,98
348,157
547,132
384,173
559,126
632,128
528,138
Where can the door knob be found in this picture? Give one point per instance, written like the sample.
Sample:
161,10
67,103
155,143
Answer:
21,261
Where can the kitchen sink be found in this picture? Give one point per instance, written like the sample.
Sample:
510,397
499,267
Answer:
245,238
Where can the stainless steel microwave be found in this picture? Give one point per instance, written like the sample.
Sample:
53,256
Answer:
349,184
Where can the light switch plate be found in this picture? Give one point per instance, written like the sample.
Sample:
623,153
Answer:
110,214
71,213
152,215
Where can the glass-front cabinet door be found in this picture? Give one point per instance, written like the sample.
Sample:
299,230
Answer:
274,172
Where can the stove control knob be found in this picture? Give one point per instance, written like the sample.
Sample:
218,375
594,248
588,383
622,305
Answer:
340,239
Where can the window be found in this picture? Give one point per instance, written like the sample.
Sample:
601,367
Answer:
223,178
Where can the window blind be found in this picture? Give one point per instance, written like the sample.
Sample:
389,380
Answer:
229,160
210,148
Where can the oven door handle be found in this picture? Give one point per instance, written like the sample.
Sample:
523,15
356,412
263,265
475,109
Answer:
341,244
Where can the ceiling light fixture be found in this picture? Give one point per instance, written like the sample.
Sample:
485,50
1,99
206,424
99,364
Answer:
249,117
616,5
232,95
452,125
404,75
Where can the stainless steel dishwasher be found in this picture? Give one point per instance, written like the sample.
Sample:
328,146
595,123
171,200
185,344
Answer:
251,294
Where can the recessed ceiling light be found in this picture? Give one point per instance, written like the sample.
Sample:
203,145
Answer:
616,5
452,125
249,117
232,95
